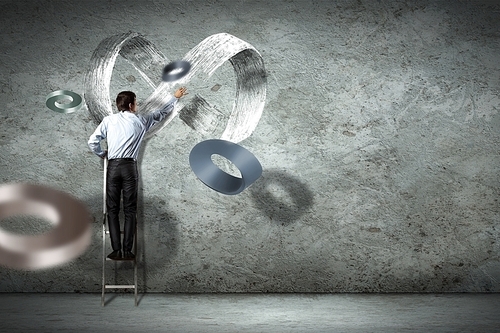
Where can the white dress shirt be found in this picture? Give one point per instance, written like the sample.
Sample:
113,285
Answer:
124,132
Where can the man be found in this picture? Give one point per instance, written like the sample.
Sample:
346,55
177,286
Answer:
124,132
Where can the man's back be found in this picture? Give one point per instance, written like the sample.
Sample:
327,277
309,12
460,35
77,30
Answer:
124,134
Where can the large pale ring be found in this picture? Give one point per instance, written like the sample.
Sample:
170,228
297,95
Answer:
68,239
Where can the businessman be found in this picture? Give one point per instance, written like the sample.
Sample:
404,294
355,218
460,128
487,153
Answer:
124,132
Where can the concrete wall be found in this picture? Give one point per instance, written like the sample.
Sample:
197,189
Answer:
379,143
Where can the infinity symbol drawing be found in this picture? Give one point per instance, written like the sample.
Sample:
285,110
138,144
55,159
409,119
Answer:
205,58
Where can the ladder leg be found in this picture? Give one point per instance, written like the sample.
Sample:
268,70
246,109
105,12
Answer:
135,281
105,167
135,264
103,259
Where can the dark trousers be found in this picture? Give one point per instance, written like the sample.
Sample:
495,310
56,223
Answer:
122,176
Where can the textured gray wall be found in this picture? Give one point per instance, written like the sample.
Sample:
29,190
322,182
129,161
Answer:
379,143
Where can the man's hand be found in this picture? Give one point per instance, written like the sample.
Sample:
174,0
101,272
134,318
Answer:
180,92
104,155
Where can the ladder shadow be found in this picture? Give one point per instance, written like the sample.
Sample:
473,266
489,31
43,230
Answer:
110,298
162,234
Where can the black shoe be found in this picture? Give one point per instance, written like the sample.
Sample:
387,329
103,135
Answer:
128,255
115,255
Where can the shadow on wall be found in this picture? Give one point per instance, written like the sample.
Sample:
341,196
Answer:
281,197
158,238
157,231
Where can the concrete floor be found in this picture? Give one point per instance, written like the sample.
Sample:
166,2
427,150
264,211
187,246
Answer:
379,144
271,313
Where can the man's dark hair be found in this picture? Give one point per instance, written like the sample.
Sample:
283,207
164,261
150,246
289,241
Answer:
124,99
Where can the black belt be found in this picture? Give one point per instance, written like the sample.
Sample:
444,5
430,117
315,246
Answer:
122,159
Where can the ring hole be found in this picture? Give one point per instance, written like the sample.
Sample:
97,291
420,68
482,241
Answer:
226,165
27,225
176,71
64,100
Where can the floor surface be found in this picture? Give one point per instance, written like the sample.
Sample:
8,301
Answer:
50,312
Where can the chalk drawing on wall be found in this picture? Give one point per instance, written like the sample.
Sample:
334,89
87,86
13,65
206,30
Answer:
204,59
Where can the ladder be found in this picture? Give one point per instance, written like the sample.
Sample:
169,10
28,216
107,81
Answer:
105,259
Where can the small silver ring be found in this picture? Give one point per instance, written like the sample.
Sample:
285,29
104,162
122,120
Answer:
175,70
53,97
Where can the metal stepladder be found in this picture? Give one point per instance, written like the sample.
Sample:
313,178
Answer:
105,259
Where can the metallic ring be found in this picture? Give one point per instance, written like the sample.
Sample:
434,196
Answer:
175,70
68,239
200,160
53,97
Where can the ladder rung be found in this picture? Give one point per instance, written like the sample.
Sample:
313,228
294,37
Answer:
118,286
121,259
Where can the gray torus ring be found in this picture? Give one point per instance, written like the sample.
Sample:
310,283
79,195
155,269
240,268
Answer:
175,70
68,239
200,160
53,97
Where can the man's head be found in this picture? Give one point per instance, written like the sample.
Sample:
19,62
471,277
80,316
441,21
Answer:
126,101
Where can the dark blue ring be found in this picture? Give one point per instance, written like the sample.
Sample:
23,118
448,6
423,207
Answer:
200,160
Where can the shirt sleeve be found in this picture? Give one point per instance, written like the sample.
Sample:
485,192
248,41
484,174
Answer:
157,116
94,142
